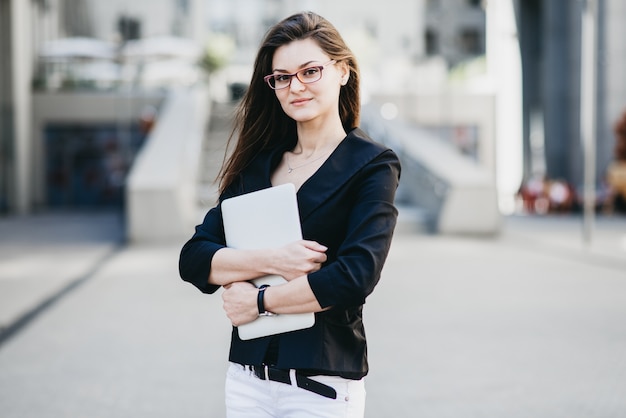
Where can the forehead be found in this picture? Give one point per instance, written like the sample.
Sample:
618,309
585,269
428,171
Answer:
298,53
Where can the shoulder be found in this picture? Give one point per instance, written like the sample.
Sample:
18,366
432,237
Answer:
362,149
361,139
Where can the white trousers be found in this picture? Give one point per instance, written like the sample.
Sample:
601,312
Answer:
247,396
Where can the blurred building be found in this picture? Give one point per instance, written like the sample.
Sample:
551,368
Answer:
455,30
74,99
394,26
407,50
550,40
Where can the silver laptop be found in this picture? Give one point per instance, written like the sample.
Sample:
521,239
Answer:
265,219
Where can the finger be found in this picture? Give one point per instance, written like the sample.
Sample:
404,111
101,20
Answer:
318,258
315,246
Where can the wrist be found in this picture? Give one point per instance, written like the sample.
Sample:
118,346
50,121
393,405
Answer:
261,301
269,261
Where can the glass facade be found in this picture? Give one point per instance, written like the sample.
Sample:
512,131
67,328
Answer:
86,165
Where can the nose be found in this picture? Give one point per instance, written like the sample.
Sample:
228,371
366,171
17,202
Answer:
296,84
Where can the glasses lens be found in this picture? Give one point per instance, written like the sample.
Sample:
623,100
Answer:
279,81
310,75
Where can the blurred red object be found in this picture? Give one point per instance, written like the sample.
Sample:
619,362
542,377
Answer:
542,196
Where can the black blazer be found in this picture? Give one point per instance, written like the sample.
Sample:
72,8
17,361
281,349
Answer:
348,206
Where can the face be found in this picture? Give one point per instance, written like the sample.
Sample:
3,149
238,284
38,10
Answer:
305,102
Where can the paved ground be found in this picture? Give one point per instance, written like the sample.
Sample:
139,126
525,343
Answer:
529,324
43,256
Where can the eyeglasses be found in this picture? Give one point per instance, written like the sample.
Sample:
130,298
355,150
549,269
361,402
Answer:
306,76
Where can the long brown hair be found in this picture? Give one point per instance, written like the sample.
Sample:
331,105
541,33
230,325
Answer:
260,122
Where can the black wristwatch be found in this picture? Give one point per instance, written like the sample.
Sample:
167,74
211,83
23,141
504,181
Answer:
259,301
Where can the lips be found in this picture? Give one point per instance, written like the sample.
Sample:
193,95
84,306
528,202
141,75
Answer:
300,102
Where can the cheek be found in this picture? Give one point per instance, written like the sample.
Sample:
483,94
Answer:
331,94
281,96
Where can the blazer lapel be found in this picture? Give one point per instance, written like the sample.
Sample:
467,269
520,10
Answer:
351,155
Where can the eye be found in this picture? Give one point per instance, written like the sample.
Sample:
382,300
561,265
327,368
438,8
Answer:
310,72
282,77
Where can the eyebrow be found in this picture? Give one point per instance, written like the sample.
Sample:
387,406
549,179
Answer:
305,65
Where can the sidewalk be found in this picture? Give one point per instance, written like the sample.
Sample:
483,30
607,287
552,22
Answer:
608,232
530,323
42,256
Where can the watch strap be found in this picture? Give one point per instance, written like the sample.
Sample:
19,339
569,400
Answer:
259,300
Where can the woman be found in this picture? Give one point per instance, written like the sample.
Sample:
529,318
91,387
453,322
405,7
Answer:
297,123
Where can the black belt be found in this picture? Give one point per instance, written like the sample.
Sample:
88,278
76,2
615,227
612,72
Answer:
302,381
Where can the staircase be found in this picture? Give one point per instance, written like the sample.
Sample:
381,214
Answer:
213,149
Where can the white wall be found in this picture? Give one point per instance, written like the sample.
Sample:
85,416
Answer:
162,187
504,68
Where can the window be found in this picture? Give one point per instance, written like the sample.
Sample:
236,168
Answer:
470,42
129,28
431,42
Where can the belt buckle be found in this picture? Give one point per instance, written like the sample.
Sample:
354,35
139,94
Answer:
262,372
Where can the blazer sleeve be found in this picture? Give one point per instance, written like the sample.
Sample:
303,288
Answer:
352,276
194,263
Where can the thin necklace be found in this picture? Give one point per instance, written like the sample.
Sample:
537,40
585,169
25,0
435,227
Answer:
290,168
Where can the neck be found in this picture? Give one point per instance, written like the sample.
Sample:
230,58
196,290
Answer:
312,140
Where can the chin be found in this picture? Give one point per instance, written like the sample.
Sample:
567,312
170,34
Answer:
302,117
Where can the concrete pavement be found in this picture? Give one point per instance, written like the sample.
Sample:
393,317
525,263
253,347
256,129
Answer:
512,327
46,255
531,323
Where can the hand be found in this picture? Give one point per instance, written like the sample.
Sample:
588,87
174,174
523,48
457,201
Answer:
300,258
240,302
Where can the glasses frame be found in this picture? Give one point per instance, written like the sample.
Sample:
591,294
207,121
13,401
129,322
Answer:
292,75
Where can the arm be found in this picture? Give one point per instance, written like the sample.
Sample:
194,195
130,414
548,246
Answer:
362,251
296,259
195,258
